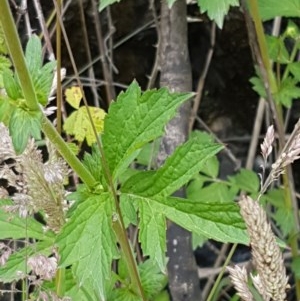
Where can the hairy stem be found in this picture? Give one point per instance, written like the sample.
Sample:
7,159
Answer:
16,53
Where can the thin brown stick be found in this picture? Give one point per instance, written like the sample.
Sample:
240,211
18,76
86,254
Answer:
110,92
156,65
202,78
88,54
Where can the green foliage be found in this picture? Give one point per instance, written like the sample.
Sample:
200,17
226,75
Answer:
269,9
16,268
105,3
153,281
288,81
134,120
88,242
15,227
216,9
24,124
283,216
170,2
42,76
79,125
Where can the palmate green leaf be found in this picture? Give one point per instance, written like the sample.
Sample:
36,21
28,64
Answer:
15,268
258,86
15,227
87,242
294,68
215,220
178,169
246,180
287,91
105,3
269,9
277,50
24,124
216,9
42,76
79,124
42,82
135,119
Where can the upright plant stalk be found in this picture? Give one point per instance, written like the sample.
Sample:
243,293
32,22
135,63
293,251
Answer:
118,226
16,53
271,81
17,56
58,74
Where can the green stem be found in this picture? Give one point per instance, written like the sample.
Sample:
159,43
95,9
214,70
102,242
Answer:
220,276
17,56
66,153
15,49
118,226
279,121
16,52
60,282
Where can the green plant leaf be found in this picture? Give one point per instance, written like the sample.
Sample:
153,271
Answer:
152,235
178,169
153,281
283,216
294,68
246,180
215,220
170,2
218,192
11,86
33,54
269,9
42,82
42,76
73,96
5,63
6,110
79,125
296,266
258,86
15,268
287,91
216,9
292,30
277,50
93,163
88,242
129,211
105,3
23,125
135,119
15,227
198,240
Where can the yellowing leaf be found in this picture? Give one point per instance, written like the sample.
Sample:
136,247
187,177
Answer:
79,125
73,96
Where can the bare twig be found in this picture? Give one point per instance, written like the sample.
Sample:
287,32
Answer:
202,78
